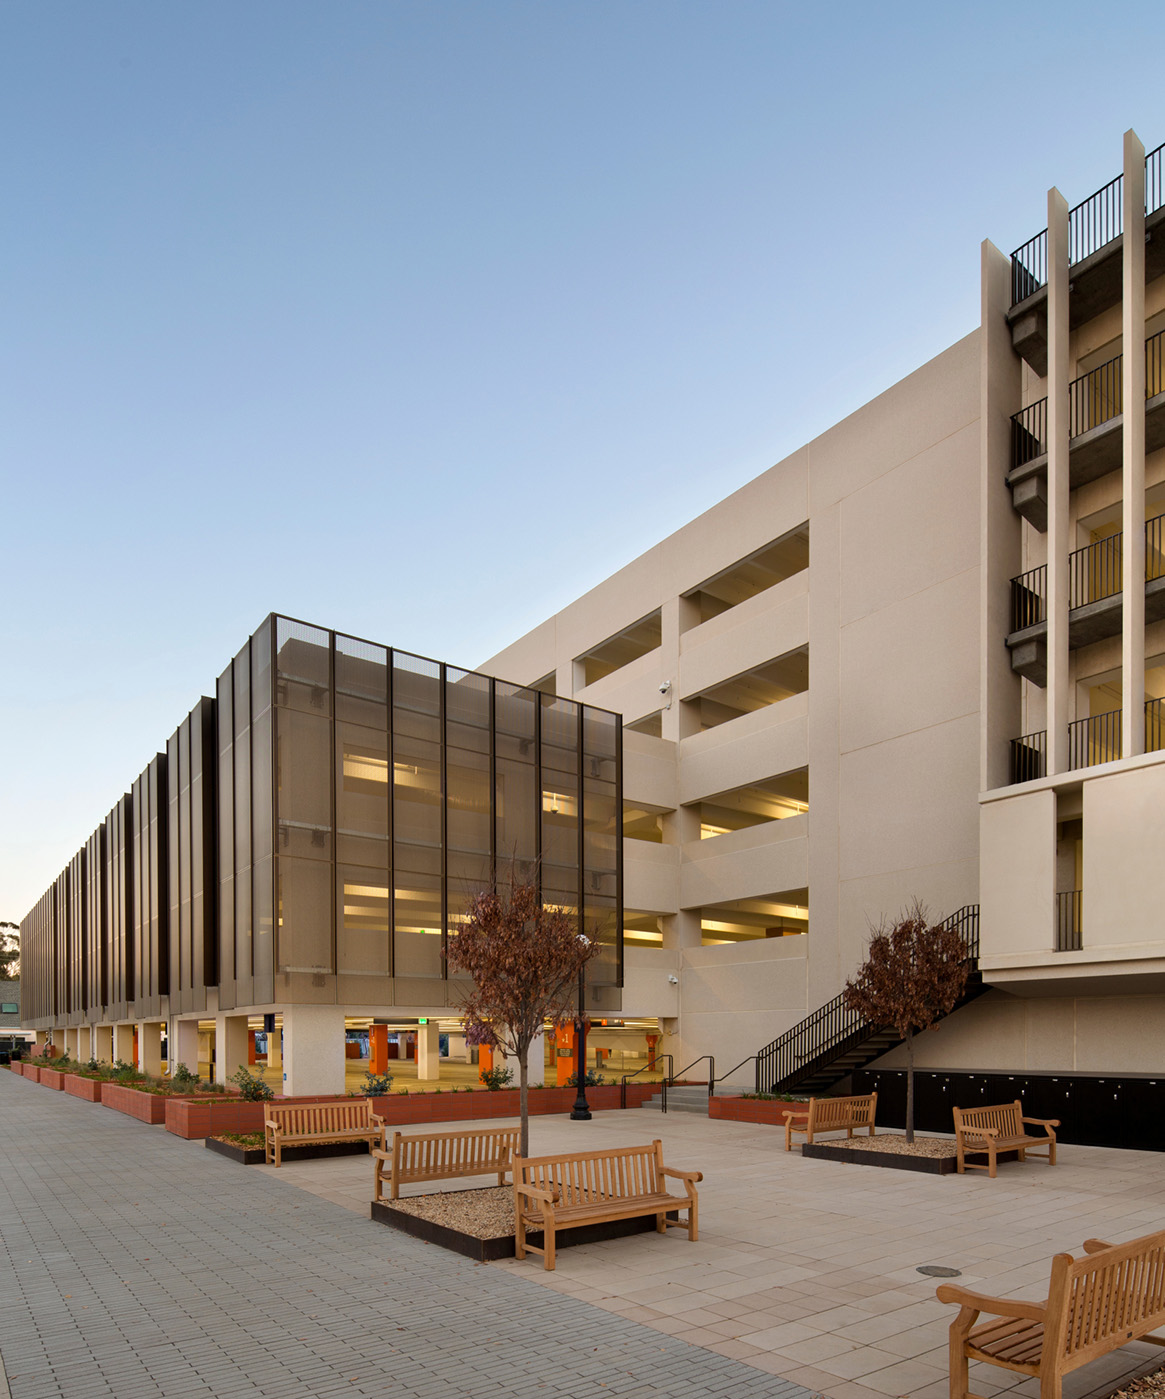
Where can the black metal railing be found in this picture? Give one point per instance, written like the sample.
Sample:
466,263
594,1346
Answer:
1029,593
1094,739
1155,365
1029,757
834,1027
1154,726
1154,549
1029,267
1154,184
1095,221
1029,433
1095,397
647,1068
672,1078
1069,924
1094,572
749,1059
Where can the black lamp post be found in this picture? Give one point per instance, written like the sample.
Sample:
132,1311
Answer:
581,1111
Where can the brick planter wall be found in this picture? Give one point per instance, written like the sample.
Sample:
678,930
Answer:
196,1118
87,1088
52,1078
770,1114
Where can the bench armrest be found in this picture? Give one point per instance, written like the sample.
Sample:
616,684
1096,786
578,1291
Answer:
1096,1245
1042,1121
549,1197
681,1175
994,1306
382,1155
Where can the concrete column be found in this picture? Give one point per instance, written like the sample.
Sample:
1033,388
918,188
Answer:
274,1055
71,1043
123,1043
1059,502
150,1047
103,1035
1133,447
313,1050
682,929
85,1043
536,1059
378,1049
184,1045
670,623
42,1038
428,1053
230,1045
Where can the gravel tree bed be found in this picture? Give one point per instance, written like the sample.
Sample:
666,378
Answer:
1147,1387
483,1214
897,1144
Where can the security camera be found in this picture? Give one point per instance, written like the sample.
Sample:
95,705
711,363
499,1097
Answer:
673,980
665,687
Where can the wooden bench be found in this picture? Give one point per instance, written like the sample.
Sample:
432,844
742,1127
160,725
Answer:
987,1131
592,1187
444,1155
1096,1304
830,1115
317,1123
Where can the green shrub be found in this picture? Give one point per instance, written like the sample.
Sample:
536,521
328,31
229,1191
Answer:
252,1087
182,1079
592,1080
374,1085
499,1077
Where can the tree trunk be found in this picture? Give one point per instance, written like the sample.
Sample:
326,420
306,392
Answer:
910,1087
523,1103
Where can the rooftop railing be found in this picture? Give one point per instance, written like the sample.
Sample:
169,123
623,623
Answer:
1029,433
1069,921
1029,757
1094,572
1028,592
1092,740
1155,365
1092,224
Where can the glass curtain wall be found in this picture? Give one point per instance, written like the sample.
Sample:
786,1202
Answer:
400,786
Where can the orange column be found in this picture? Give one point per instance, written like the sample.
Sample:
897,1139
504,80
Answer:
378,1049
136,1060
485,1060
252,1052
652,1041
563,1063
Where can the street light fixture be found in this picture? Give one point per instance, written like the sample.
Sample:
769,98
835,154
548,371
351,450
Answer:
581,1111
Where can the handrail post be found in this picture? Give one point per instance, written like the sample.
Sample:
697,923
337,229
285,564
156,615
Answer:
711,1076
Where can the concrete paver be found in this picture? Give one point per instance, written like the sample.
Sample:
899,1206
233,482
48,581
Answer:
139,1264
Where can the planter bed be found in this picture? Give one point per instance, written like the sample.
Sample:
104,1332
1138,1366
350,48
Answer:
257,1155
502,1246
89,1089
52,1078
766,1111
894,1160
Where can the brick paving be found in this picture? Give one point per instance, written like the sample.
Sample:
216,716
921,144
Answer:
140,1266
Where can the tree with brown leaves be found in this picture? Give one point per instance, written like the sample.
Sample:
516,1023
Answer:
525,960
914,974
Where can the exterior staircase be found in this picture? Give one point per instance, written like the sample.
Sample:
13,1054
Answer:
824,1048
681,1097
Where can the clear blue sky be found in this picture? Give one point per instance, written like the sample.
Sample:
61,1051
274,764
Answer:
419,318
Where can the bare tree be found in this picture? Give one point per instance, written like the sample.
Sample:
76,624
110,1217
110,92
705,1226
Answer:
9,951
525,960
914,974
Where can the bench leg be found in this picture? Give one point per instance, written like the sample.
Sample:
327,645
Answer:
960,1378
693,1222
991,1160
661,1222
519,1236
548,1244
1052,1152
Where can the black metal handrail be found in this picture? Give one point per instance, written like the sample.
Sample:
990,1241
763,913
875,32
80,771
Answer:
749,1059
1154,549
647,1068
1069,921
711,1076
1094,739
1029,593
1029,433
1095,571
1029,757
1154,726
1155,365
1095,397
1095,221
1029,267
1154,184
835,1024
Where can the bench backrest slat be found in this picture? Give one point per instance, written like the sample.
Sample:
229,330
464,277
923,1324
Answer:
454,1153
825,1113
587,1177
318,1118
1004,1118
1102,1296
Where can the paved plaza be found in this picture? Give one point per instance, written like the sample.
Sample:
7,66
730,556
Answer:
143,1265
808,1269
139,1265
